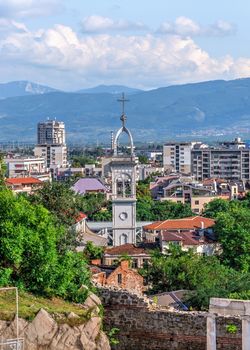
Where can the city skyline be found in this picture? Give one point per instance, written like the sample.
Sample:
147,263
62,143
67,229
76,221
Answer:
144,45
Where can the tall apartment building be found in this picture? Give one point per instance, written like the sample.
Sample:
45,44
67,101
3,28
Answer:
177,156
51,132
229,161
51,144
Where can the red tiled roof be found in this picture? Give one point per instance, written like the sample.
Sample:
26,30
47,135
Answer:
80,217
187,238
128,248
23,181
189,223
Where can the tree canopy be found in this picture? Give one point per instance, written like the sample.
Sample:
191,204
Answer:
203,276
29,251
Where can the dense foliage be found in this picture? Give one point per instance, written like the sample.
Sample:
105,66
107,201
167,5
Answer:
233,231
148,209
204,276
31,254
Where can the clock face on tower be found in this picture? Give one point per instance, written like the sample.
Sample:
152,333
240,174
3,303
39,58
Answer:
123,215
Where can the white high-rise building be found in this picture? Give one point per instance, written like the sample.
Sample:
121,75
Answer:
177,156
51,144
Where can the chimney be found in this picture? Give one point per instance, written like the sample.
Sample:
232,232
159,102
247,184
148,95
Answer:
124,264
95,262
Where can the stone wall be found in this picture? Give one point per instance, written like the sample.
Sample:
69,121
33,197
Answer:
144,326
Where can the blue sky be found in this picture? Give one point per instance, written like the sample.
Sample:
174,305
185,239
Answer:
81,43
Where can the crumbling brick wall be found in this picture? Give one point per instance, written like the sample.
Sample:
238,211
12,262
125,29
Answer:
144,326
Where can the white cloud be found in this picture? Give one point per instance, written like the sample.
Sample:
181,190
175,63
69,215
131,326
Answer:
61,57
28,8
185,26
8,25
97,24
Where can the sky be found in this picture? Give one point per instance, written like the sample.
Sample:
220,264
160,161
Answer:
145,44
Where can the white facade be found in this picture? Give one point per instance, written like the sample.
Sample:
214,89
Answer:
177,157
51,144
20,167
55,155
124,200
123,169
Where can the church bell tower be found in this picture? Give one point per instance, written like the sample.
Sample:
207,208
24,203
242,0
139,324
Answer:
123,168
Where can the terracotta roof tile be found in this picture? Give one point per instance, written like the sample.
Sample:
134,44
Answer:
23,181
80,217
189,223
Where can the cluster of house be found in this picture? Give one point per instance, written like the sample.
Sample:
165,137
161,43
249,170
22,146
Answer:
185,189
119,264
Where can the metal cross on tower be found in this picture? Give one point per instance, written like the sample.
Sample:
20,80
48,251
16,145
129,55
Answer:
123,116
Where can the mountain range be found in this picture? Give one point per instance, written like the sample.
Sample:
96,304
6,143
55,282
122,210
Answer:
201,110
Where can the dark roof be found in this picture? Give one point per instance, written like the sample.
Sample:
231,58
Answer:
128,248
187,238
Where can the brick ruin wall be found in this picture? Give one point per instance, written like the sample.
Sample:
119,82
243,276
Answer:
144,326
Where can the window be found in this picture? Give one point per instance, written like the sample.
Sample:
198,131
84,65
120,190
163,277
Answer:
119,278
135,264
123,239
196,202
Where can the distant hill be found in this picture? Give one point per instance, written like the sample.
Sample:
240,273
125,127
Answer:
23,88
110,89
181,111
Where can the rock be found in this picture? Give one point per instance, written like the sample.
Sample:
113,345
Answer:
92,300
86,343
42,329
102,342
9,332
92,328
72,315
65,338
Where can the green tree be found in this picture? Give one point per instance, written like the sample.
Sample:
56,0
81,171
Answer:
59,199
233,233
92,251
2,170
203,276
213,208
29,254
143,159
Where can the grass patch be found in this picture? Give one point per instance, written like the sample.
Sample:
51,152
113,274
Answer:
30,304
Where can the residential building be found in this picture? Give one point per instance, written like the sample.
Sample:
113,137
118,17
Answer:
193,194
24,184
139,255
229,160
51,132
89,185
198,240
89,170
146,170
189,224
51,144
177,156
27,167
121,276
183,189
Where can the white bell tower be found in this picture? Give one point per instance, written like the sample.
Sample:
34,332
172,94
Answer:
123,168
